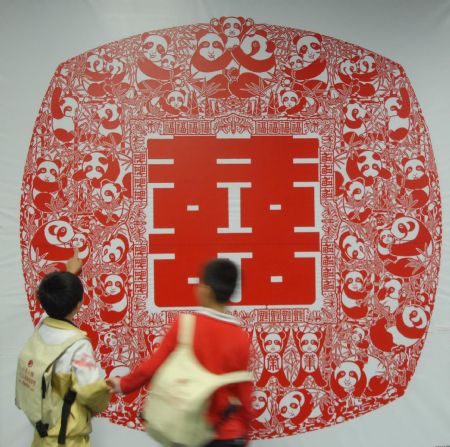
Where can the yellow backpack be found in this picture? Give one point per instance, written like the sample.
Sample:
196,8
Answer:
175,411
34,384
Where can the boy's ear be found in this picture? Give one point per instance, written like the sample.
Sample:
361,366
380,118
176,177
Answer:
203,293
210,293
205,288
75,310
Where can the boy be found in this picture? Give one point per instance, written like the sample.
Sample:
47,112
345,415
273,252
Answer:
61,409
220,345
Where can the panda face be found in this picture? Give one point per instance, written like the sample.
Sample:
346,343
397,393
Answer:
353,247
110,191
369,163
59,233
290,99
110,340
357,334
347,67
114,250
232,27
79,240
354,281
414,169
168,62
113,284
115,67
295,62
415,317
355,190
155,47
272,343
211,46
95,165
175,99
405,229
393,287
291,404
259,400
95,63
347,374
309,343
365,64
309,49
48,171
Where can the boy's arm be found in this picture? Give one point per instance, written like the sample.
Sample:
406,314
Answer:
92,391
74,264
144,371
94,396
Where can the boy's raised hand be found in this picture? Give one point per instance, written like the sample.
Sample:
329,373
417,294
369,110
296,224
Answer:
74,264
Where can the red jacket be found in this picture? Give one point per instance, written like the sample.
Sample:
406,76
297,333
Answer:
221,346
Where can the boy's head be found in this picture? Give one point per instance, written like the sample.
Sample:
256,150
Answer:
220,276
60,293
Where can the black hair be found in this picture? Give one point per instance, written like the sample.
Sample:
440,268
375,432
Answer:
59,293
221,275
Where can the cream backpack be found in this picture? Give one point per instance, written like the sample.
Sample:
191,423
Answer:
34,384
175,411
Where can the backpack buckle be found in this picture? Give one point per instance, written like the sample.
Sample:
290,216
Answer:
42,429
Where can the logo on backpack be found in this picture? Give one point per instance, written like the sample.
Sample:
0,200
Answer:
34,393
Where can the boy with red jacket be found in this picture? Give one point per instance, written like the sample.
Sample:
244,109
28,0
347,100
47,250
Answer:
220,345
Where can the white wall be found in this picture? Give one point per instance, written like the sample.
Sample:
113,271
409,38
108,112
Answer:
35,36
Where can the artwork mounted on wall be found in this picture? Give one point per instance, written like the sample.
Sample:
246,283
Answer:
304,158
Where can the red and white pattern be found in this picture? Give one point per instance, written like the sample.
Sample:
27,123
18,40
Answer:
303,158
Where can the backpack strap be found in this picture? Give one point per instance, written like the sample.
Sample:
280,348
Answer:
185,338
186,329
237,376
69,399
